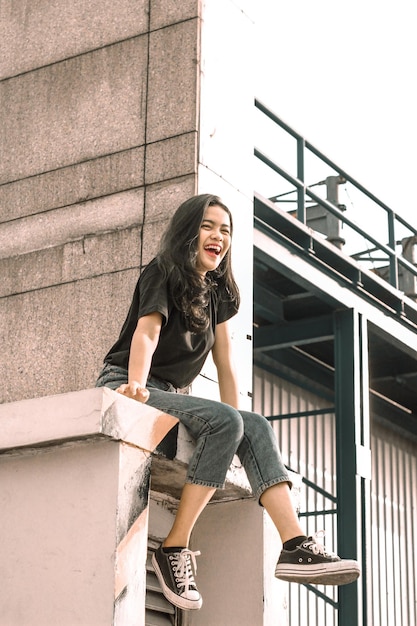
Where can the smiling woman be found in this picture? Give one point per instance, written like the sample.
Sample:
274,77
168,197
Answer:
214,239
179,313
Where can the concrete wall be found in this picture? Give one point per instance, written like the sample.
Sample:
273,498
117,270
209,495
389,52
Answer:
113,113
75,472
98,146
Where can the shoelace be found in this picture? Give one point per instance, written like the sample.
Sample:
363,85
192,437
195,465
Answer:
181,565
317,546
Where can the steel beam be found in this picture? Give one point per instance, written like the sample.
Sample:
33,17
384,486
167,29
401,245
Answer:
314,279
289,334
353,457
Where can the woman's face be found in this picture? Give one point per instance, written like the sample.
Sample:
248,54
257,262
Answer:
214,239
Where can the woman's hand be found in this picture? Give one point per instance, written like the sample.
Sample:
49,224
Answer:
135,391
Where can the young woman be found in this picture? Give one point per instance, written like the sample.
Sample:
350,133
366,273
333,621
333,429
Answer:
180,311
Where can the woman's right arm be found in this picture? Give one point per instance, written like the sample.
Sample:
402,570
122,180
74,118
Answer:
144,342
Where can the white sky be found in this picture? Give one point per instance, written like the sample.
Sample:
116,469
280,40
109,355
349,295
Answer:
343,74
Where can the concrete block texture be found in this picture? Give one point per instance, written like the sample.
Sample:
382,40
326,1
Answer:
35,33
79,109
100,139
172,157
167,12
73,184
173,81
115,249
93,255
59,226
162,200
54,339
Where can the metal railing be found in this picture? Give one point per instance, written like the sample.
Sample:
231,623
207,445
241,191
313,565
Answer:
399,268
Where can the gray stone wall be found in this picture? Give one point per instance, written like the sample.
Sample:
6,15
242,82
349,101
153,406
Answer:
99,132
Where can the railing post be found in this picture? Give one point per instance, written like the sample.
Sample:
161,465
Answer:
409,280
393,262
301,205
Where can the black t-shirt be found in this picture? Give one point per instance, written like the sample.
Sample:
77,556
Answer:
180,354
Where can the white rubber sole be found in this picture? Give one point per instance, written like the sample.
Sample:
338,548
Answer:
337,573
181,603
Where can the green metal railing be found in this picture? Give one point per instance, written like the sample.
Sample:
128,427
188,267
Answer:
387,250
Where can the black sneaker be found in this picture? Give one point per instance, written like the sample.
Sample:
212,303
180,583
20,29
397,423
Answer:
175,574
311,563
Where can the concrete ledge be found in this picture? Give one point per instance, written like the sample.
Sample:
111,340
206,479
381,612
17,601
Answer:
81,415
75,507
103,413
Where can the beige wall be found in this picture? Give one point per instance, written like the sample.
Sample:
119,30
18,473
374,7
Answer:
74,470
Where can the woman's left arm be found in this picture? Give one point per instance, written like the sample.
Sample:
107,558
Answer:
223,360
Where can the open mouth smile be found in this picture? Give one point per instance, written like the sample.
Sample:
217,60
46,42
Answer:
213,250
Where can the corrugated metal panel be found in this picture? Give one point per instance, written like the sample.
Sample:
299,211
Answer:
394,528
308,447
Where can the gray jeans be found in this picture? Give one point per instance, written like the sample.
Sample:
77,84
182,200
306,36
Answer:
219,431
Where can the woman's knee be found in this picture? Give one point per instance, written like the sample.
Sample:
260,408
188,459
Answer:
233,424
256,425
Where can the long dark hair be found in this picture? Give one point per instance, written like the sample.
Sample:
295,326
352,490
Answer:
177,259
